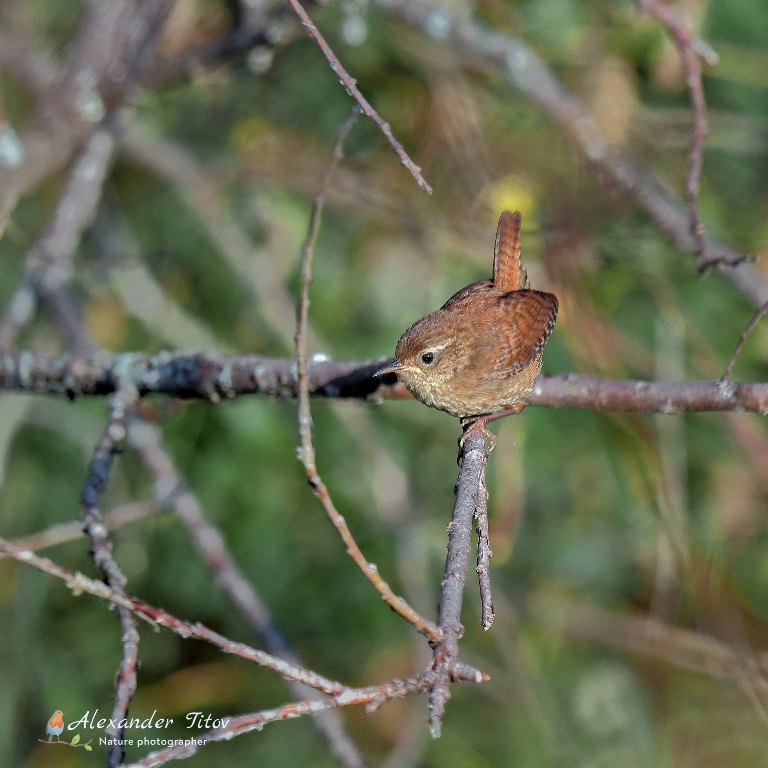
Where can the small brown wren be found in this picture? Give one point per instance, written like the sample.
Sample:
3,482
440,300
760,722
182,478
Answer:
478,356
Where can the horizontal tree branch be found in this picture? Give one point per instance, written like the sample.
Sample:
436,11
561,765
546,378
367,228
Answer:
210,376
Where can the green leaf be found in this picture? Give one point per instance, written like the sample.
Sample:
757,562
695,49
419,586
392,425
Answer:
75,739
88,747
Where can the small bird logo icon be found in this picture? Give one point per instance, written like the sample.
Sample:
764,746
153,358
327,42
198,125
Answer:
55,724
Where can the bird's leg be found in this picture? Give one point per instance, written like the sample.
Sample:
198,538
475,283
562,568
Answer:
474,424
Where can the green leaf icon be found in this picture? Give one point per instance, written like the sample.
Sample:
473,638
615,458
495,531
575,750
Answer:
75,739
88,747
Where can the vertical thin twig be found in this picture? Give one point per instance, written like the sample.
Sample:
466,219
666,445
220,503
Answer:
350,84
690,50
93,525
484,554
307,450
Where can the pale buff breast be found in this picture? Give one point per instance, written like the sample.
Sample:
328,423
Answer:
490,396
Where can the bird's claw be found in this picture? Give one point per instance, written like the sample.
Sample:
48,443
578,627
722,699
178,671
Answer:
470,427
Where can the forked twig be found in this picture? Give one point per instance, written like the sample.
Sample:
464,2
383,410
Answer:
157,617
350,84
445,659
307,450
211,545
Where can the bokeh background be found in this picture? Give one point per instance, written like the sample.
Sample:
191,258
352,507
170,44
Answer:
630,567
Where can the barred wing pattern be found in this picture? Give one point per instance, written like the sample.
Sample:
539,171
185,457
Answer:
527,318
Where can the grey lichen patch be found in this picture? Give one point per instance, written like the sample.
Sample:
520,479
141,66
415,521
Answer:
224,381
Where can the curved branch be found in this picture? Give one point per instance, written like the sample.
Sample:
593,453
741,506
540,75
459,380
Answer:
524,69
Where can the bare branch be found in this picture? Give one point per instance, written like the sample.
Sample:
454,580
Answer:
350,84
157,617
373,697
49,262
524,69
307,451
64,532
209,376
484,554
111,49
210,544
446,652
689,56
93,525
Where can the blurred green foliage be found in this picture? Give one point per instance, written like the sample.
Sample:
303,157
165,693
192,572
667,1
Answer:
639,515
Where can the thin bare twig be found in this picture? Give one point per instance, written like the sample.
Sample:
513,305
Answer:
350,84
210,544
101,550
689,55
64,532
307,451
726,377
372,697
484,554
446,652
340,695
157,617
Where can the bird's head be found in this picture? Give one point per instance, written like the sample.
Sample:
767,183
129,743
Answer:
423,359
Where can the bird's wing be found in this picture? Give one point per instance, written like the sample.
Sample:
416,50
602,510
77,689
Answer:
526,318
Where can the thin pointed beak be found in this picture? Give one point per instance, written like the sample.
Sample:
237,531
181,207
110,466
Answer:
392,367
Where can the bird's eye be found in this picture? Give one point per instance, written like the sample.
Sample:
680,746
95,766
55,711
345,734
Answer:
428,358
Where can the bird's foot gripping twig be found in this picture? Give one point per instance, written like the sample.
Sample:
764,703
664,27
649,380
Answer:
476,424
472,424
